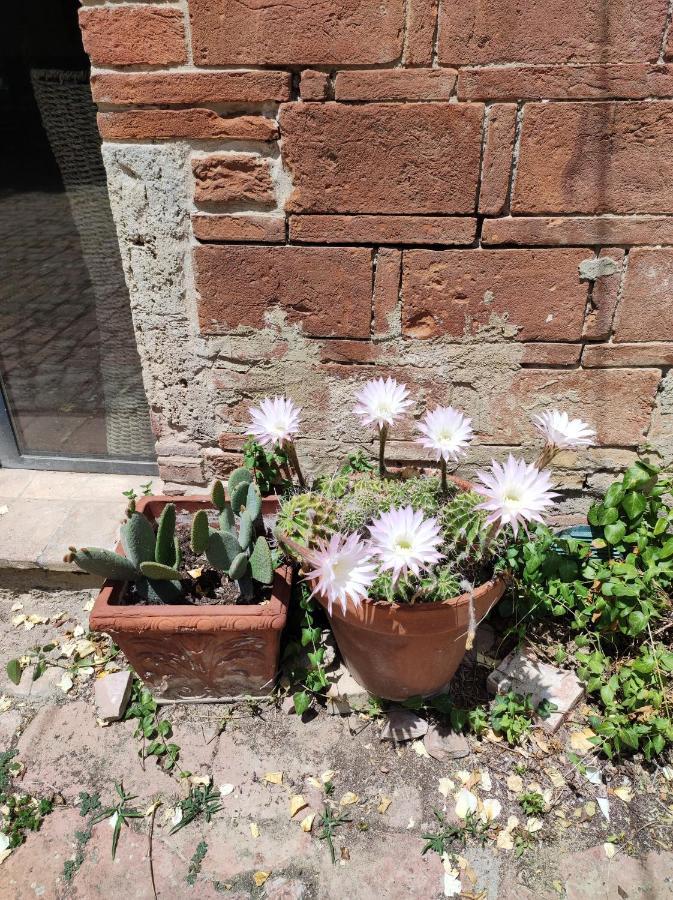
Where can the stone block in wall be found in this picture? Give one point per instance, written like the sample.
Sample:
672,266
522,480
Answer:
184,470
582,231
180,88
646,309
496,167
395,84
551,354
386,309
176,124
629,81
616,402
528,295
257,229
333,32
550,31
133,36
243,179
624,355
410,230
324,290
419,41
314,85
595,158
607,279
382,157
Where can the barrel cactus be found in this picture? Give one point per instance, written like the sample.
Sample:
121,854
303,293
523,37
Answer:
152,561
236,548
305,519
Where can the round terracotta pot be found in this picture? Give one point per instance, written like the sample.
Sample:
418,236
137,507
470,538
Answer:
396,651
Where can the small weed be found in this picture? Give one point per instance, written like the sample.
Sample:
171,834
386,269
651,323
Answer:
330,823
120,813
20,812
447,836
144,709
532,803
203,800
196,861
512,715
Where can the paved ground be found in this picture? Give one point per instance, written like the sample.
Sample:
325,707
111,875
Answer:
42,513
254,847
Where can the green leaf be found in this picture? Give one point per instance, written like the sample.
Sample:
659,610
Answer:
634,504
14,671
302,701
614,494
614,533
39,669
637,622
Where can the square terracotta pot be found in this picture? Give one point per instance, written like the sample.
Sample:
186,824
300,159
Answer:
198,653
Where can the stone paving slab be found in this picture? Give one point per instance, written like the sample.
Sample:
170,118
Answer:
64,750
48,511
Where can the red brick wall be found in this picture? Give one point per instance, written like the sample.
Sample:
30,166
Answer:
398,177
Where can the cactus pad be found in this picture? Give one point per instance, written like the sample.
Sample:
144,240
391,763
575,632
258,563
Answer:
165,545
217,495
105,563
261,563
137,537
238,566
158,572
200,531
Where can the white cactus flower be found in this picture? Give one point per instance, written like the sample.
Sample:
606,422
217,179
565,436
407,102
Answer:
343,570
274,421
563,432
381,402
446,431
404,541
516,493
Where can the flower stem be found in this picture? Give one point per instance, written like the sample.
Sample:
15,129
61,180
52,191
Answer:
549,451
294,462
383,434
442,466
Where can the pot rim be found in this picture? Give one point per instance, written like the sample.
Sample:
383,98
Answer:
273,611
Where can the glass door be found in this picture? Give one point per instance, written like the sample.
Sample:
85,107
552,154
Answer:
71,393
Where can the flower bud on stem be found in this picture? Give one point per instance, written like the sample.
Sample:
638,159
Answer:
289,448
383,435
549,451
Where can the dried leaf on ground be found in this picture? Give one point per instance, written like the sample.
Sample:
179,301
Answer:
533,825
260,878
610,850
254,829
296,803
446,786
65,683
515,784
420,748
348,799
306,823
274,778
226,789
579,740
466,802
384,804
624,793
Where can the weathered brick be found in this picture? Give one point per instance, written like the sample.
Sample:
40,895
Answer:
184,470
314,85
132,36
593,394
180,88
326,290
171,124
543,354
385,298
382,157
646,309
534,295
554,31
363,352
595,158
625,355
333,32
230,441
253,228
604,296
241,178
631,81
578,231
497,163
395,84
420,32
448,230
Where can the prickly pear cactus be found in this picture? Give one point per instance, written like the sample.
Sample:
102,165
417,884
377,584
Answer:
306,519
235,548
151,561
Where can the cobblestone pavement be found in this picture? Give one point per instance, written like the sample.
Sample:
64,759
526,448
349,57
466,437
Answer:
253,847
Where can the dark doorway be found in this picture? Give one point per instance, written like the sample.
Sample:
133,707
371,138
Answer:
70,377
